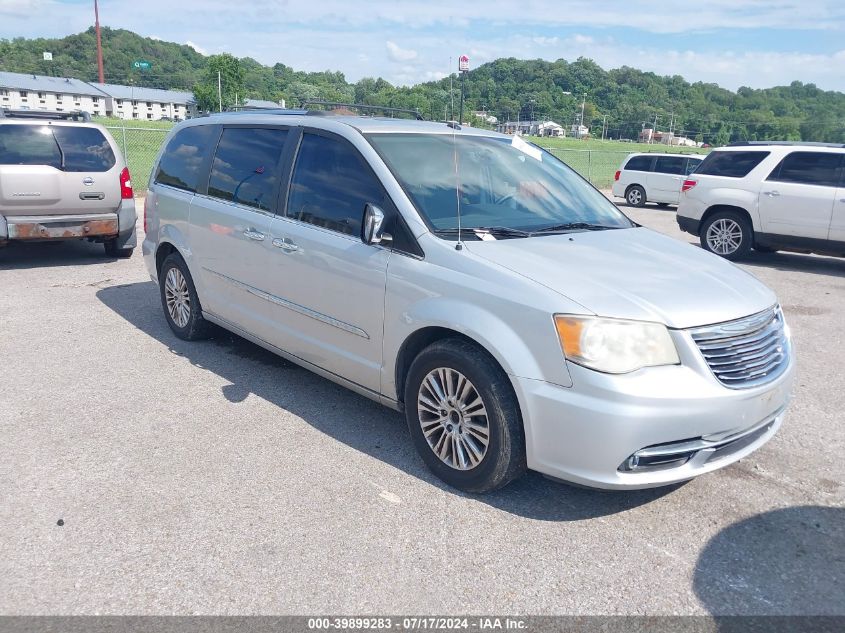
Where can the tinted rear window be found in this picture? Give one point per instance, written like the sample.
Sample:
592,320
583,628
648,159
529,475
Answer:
670,164
183,158
809,168
640,163
245,166
63,147
730,164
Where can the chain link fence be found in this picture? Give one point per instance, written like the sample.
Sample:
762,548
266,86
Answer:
140,147
597,166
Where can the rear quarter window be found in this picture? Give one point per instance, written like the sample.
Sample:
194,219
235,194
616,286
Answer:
183,158
730,164
639,163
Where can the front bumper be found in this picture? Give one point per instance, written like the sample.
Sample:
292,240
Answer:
679,420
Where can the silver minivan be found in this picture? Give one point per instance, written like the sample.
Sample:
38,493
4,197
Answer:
474,282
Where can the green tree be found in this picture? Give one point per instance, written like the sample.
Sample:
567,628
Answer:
231,82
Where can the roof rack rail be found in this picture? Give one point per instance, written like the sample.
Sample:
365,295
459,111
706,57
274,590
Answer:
248,110
799,143
361,106
75,115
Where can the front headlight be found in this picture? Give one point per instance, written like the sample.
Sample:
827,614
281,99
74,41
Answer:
615,346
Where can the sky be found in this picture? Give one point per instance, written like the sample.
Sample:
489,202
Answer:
756,43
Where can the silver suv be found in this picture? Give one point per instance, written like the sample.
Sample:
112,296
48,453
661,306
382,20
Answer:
769,197
63,177
474,282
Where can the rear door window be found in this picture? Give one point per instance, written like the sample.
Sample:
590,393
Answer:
246,165
640,163
66,148
670,164
183,158
809,168
731,164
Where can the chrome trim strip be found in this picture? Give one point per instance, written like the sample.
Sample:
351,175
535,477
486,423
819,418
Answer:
290,305
690,446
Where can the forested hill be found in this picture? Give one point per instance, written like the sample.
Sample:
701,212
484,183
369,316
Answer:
623,99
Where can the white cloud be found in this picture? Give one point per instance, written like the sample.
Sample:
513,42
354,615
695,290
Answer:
399,54
197,48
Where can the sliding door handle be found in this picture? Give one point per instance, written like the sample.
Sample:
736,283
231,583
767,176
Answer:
252,234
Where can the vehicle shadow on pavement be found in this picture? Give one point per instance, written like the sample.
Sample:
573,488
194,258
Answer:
365,425
784,562
797,262
18,256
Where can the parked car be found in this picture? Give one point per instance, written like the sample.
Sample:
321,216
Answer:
769,197
516,316
63,177
653,177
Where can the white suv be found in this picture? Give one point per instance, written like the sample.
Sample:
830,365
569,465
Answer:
653,177
768,196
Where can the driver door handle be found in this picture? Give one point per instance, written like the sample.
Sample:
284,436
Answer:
254,235
772,194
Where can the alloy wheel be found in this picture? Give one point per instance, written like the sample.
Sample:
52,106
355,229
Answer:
724,236
177,297
453,418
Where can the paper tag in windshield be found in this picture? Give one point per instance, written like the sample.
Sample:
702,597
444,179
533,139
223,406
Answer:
526,148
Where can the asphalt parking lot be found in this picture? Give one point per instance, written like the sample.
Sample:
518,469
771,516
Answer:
217,478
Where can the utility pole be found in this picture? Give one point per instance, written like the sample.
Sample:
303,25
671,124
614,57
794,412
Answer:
654,129
603,127
100,74
219,93
581,124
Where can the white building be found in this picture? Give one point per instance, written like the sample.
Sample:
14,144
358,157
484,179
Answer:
580,131
36,92
549,128
148,104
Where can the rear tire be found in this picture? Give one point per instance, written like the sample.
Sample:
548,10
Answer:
727,234
635,196
113,251
464,418
180,302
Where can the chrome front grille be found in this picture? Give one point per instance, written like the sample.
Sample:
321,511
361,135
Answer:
747,352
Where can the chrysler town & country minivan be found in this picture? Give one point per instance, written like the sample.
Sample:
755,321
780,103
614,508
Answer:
475,283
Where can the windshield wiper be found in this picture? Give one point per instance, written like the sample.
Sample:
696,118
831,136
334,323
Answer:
573,226
495,231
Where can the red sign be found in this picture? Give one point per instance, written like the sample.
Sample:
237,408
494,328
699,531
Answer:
463,63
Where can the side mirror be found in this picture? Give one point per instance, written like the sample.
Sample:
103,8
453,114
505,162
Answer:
372,228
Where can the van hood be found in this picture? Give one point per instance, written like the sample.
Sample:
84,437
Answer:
633,274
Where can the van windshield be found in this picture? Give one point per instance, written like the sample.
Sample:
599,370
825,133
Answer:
500,184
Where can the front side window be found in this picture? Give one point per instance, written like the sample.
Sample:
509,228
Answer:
809,168
670,164
331,185
245,167
639,163
730,164
182,160
494,183
62,147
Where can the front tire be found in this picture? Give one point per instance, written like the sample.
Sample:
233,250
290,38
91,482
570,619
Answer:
635,196
464,418
182,308
727,234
